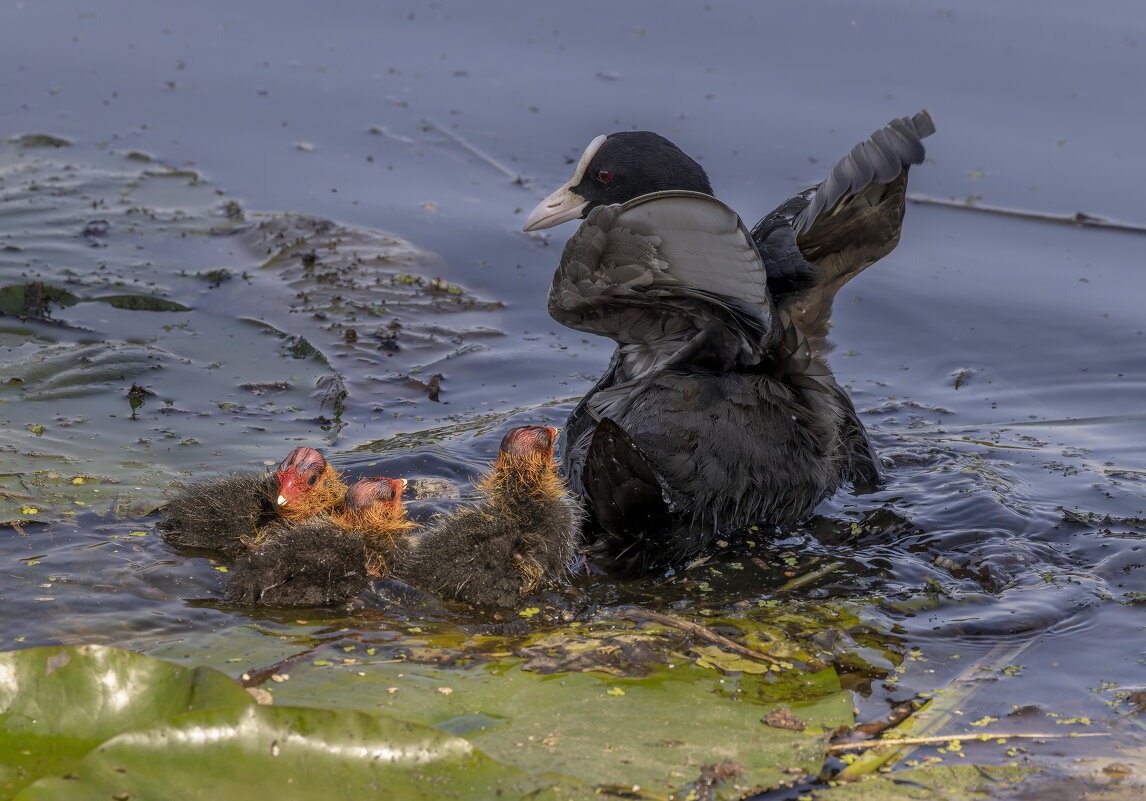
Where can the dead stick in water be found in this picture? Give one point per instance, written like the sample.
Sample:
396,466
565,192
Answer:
809,577
698,630
516,177
1078,220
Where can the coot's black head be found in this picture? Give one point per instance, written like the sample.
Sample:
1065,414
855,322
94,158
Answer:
617,168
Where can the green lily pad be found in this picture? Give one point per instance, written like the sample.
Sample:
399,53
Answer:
49,371
56,704
292,753
48,488
35,299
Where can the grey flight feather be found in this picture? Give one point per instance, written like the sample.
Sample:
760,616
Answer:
880,159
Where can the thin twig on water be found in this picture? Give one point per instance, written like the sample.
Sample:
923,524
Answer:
474,151
1078,220
697,629
809,577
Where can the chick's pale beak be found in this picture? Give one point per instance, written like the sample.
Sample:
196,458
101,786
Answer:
562,206
281,500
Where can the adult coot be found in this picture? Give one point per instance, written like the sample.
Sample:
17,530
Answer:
717,410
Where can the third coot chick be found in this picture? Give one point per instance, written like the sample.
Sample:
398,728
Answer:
520,535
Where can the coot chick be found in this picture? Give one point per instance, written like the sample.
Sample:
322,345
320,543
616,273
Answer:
222,513
717,410
326,559
519,536
374,507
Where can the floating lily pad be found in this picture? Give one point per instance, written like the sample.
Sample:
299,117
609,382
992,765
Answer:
38,140
174,732
142,303
56,704
34,300
293,753
52,489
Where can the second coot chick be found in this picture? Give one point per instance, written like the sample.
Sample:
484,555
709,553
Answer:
520,535
328,558
374,507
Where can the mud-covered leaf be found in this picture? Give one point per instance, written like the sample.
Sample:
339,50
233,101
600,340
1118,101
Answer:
711,656
368,298
616,653
659,730
948,782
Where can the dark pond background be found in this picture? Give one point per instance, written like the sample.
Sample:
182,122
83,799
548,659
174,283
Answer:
1000,363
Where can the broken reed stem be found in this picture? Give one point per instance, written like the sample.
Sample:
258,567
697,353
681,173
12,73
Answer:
698,630
981,737
809,577
1078,220
516,177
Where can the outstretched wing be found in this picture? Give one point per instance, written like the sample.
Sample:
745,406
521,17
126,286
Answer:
816,241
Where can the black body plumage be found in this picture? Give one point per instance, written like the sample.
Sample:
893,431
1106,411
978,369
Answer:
312,563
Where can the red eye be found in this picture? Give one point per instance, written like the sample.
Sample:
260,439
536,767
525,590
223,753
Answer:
604,176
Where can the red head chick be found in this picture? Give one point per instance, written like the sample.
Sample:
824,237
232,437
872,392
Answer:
307,485
536,441
524,466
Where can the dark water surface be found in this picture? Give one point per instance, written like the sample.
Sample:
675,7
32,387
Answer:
1000,363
